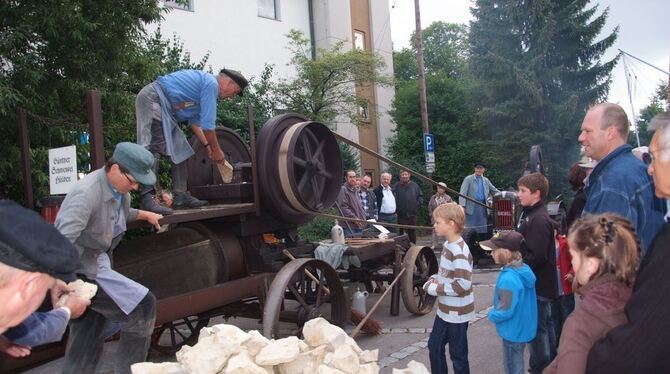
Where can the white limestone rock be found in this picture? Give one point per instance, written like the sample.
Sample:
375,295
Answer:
319,332
349,340
369,356
370,368
209,356
279,351
243,363
345,359
417,368
230,334
323,369
256,342
157,368
413,368
306,362
79,288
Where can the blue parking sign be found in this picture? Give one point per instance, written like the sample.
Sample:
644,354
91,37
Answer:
428,143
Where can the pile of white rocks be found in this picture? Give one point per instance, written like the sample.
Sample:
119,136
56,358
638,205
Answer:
226,349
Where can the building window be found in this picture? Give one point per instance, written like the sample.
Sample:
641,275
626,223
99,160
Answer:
268,9
359,40
180,4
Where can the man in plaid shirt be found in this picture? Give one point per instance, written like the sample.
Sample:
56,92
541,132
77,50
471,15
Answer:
367,197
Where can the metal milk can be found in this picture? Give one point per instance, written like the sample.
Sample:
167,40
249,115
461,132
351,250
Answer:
358,300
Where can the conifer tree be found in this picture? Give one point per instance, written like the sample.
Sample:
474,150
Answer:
537,66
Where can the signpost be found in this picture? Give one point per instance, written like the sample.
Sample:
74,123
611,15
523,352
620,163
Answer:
62,169
429,152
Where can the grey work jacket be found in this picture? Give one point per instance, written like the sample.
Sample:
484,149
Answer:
469,188
87,216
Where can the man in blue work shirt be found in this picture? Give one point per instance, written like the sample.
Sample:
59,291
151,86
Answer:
185,95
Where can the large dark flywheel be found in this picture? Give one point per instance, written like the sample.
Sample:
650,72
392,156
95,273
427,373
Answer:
300,167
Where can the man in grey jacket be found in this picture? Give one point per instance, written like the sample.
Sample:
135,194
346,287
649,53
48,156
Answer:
93,217
480,188
350,206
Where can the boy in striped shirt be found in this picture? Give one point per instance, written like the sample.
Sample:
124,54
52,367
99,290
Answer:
453,287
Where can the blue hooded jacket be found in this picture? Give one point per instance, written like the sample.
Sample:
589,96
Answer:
514,303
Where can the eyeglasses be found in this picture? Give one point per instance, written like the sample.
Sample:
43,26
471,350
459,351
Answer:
647,158
132,182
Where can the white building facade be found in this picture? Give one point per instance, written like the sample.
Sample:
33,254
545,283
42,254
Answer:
246,35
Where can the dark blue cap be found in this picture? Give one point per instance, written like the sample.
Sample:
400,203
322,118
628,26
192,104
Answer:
29,243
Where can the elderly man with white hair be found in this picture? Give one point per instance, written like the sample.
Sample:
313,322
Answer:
641,345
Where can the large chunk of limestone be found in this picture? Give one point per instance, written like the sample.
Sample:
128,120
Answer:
256,342
279,351
79,288
209,356
319,332
243,363
155,368
345,359
306,362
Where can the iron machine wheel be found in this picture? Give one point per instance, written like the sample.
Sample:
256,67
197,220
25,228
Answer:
419,263
305,158
294,296
171,336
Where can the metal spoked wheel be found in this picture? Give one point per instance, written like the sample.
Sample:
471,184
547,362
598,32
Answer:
170,337
295,297
420,263
305,158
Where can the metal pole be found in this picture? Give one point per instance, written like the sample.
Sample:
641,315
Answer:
25,158
422,77
94,109
630,99
254,160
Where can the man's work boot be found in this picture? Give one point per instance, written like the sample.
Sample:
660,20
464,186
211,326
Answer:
149,203
184,200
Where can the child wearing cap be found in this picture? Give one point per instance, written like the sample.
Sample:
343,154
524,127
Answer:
514,307
453,287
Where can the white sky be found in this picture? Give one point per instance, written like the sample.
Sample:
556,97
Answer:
642,33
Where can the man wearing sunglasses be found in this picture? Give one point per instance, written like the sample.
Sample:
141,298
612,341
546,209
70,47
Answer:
619,183
93,217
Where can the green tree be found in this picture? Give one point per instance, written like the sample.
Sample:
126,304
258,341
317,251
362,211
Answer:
52,53
656,105
323,88
537,66
457,140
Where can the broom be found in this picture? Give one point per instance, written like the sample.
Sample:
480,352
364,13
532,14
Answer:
367,318
362,321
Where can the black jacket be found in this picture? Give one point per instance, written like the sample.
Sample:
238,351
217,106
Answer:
539,250
408,199
576,207
641,345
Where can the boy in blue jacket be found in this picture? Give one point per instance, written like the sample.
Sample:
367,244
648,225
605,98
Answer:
514,306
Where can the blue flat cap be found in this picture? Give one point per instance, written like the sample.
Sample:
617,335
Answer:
137,160
29,243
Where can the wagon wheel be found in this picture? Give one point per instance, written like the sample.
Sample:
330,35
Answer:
169,337
305,158
294,296
420,263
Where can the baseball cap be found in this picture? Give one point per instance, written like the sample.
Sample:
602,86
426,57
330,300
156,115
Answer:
29,243
511,240
442,184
